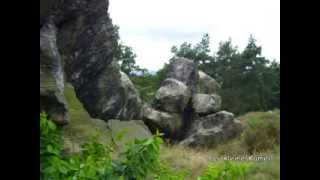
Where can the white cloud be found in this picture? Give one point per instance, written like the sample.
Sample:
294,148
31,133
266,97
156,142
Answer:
152,27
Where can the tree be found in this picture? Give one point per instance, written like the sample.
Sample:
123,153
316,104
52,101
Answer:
199,53
126,57
249,81
127,61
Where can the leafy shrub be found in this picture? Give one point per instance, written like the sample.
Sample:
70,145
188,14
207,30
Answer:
141,157
226,171
94,161
165,172
139,161
262,132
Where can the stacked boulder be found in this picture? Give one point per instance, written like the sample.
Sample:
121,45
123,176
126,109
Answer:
210,125
187,108
170,111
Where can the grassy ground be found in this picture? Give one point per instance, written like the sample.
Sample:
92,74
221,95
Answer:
263,125
260,137
81,126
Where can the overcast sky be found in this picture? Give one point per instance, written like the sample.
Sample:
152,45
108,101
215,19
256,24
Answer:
152,27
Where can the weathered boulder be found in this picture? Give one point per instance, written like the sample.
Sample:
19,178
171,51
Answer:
212,130
206,84
169,124
111,96
173,96
54,104
204,104
51,76
79,34
184,70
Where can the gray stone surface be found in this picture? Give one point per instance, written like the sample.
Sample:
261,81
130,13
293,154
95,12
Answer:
207,85
52,100
184,70
80,39
169,124
173,96
204,104
212,130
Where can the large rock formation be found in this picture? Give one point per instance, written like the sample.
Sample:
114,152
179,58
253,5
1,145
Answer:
207,85
51,76
173,96
111,96
169,123
212,129
184,70
193,96
77,44
173,100
204,104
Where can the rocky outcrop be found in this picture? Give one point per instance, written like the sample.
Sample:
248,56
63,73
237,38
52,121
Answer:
204,104
184,70
212,130
193,96
173,100
207,85
77,44
168,123
52,99
173,96
111,96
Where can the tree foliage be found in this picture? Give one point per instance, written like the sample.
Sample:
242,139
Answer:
250,82
126,57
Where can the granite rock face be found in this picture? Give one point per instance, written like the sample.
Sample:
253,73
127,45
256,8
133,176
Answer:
173,96
207,85
204,104
193,96
184,70
168,123
52,99
113,97
77,44
212,129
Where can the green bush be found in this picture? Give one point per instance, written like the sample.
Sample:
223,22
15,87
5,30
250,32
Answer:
165,172
262,132
226,171
140,159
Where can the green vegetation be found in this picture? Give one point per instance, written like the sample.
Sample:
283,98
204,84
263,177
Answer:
81,126
94,161
266,122
126,57
148,84
151,159
263,131
227,170
261,134
250,82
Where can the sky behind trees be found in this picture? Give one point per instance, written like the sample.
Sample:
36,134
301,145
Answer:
152,27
